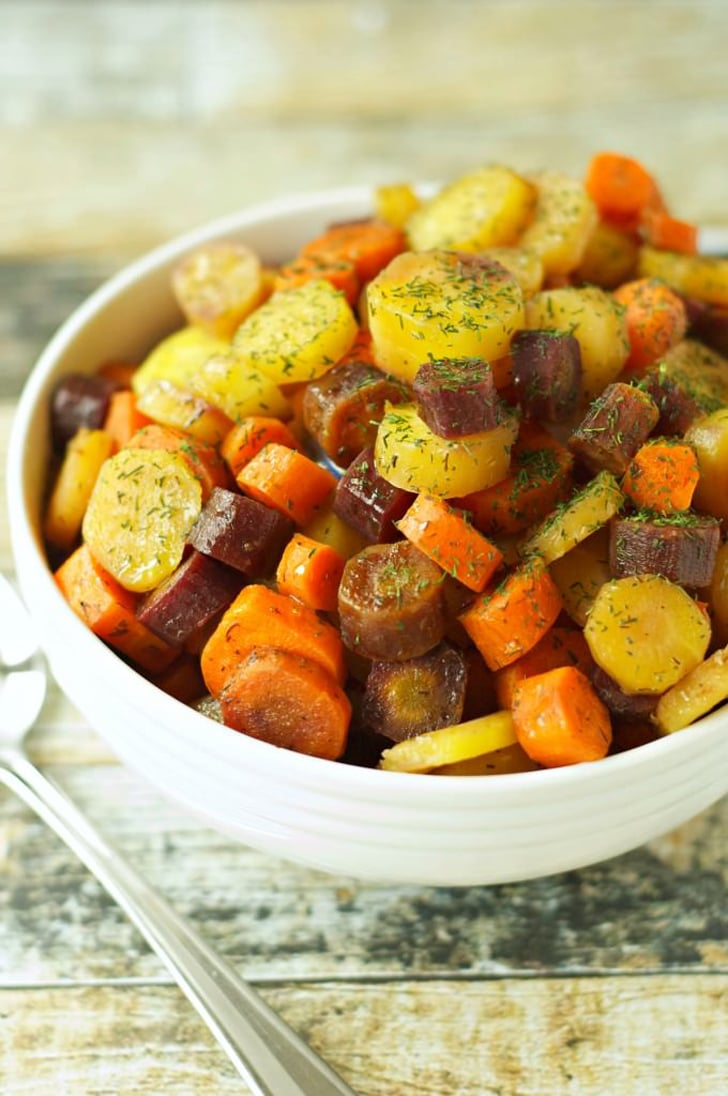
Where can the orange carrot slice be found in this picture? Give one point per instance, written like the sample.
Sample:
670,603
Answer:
109,611
561,646
310,571
444,534
656,320
341,273
620,186
246,440
559,719
668,233
662,476
119,372
360,350
288,481
124,418
508,621
288,700
203,460
260,617
540,477
370,245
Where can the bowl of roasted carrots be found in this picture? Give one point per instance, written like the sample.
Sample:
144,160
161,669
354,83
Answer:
385,528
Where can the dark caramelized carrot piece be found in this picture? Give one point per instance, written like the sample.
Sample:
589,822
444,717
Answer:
681,547
391,605
342,409
616,423
404,699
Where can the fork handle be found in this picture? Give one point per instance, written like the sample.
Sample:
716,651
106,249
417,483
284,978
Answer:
271,1058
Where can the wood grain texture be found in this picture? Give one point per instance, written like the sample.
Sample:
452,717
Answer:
196,60
122,124
660,908
35,298
578,1037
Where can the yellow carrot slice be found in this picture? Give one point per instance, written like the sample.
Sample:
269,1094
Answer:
511,759
450,744
487,207
695,694
84,456
143,505
218,285
170,405
564,219
298,334
409,455
577,519
177,358
238,388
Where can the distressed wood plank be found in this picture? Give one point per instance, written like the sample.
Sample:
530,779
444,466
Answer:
35,298
120,128
582,1036
129,184
225,57
661,907
124,123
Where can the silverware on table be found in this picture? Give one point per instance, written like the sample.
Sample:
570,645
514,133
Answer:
271,1058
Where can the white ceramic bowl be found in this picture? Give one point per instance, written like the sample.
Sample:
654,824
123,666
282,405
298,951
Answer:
371,824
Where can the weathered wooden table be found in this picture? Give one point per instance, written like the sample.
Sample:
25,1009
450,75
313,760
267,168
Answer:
125,122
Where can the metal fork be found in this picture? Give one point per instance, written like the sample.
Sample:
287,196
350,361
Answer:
271,1058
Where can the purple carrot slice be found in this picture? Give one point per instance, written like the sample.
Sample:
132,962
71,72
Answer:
404,699
629,705
681,547
457,396
241,532
710,326
193,595
616,424
390,603
690,381
79,400
546,373
368,503
341,409
364,745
